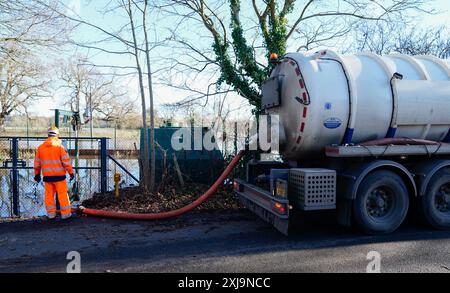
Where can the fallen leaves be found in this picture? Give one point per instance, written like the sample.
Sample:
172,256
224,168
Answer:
168,196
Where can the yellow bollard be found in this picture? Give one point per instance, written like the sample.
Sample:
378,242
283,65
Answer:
116,183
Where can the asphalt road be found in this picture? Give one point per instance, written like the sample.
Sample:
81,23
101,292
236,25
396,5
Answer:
230,242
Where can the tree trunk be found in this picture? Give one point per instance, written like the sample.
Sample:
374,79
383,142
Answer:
2,123
152,112
145,158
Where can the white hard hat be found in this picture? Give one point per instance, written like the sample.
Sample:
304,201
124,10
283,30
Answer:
53,131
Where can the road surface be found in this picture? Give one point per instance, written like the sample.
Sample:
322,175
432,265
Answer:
222,241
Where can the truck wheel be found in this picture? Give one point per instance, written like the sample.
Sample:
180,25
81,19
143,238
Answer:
381,203
435,204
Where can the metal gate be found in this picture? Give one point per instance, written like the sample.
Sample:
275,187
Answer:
20,196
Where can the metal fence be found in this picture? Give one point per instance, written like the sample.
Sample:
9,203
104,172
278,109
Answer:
96,164
100,158
123,157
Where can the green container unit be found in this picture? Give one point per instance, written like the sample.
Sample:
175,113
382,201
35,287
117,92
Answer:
202,166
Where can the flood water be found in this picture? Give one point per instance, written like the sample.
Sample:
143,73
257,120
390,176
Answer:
31,195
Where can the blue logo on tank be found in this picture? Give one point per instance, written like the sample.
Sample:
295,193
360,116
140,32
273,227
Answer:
332,123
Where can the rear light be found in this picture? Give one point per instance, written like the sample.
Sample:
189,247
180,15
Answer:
279,207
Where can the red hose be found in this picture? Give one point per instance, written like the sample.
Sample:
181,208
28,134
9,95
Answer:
169,214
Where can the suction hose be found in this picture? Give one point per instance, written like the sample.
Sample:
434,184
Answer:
173,213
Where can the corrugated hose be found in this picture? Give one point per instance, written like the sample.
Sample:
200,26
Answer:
169,214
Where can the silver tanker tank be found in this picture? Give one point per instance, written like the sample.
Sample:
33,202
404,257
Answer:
324,98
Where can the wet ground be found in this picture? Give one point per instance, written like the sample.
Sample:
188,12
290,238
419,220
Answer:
221,241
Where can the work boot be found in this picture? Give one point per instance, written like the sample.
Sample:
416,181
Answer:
65,216
51,216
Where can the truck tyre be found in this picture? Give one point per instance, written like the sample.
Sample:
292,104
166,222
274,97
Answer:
381,203
435,204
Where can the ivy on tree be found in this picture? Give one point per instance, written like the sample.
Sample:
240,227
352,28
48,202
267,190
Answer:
245,74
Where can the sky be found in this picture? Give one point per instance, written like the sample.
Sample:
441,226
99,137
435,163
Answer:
91,11
443,18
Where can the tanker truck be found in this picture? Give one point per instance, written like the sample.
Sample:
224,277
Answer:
365,135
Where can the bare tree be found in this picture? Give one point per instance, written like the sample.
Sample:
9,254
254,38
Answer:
27,29
116,109
390,38
131,40
28,24
22,81
150,90
74,79
129,9
91,92
242,35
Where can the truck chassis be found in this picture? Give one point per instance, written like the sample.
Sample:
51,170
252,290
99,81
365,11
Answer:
372,186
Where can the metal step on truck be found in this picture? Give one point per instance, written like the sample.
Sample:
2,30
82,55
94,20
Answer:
366,135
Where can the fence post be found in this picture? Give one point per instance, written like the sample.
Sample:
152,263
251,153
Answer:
103,165
15,176
57,118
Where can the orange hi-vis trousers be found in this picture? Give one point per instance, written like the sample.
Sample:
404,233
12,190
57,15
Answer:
63,197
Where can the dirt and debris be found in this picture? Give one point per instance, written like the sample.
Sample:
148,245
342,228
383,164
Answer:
168,196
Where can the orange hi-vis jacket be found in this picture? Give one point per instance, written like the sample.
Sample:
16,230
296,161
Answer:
53,160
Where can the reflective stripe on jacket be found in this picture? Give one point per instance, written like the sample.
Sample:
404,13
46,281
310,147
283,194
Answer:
52,160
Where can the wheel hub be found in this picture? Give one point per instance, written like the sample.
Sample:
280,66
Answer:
379,202
442,200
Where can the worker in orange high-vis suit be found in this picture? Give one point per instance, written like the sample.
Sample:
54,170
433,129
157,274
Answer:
54,163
